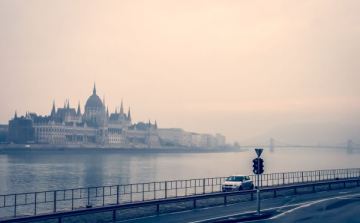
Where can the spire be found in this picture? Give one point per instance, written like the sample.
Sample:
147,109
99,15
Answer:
15,116
79,110
68,103
129,114
149,123
121,107
94,90
53,109
65,104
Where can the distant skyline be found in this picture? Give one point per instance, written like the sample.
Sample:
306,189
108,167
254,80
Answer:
236,67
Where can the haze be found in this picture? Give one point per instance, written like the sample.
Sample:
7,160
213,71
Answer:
242,68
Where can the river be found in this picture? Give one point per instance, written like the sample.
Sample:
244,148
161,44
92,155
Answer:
37,171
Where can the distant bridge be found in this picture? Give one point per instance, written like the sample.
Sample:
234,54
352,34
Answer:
350,146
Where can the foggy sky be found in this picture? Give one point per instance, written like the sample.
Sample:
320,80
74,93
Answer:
237,67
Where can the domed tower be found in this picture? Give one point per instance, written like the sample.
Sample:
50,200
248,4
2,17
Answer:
95,110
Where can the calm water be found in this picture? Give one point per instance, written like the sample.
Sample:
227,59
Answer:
38,172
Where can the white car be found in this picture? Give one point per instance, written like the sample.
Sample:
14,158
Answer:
237,182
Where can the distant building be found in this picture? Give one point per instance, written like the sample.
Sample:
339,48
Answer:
221,139
179,137
21,130
3,133
68,126
171,137
195,140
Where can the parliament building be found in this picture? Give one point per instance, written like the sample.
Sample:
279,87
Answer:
94,128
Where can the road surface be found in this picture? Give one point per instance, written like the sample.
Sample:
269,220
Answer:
326,206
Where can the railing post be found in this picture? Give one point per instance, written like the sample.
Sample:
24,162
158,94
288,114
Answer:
88,193
154,191
195,186
157,209
347,173
176,188
203,186
55,201
225,200
103,195
212,185
72,199
194,205
295,191
114,214
165,189
35,204
15,203
131,193
117,194
143,192
302,177
283,179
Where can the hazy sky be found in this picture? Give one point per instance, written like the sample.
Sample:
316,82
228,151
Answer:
231,66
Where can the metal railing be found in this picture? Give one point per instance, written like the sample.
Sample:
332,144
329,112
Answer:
34,203
194,199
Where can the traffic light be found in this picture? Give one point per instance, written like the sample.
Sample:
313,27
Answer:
255,165
261,166
258,165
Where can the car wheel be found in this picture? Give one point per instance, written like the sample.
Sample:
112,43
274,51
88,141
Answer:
240,188
252,186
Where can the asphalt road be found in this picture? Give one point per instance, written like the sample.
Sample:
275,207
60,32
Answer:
326,206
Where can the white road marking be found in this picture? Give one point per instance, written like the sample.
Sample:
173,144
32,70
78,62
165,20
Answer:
311,203
249,212
304,204
268,209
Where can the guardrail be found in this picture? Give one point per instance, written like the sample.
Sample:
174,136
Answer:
193,199
34,203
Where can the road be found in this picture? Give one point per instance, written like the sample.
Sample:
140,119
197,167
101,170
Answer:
326,206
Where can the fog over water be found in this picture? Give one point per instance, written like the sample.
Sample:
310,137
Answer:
38,172
241,68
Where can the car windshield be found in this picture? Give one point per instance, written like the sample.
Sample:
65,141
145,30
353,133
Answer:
235,178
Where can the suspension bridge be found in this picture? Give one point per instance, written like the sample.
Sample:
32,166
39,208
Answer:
349,145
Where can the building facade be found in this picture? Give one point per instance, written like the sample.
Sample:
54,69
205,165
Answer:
95,127
181,138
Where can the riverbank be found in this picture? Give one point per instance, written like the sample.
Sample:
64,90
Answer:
5,149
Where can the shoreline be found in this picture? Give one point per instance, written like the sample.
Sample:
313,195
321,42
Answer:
51,149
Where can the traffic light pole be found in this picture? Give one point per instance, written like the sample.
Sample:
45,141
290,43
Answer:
258,187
